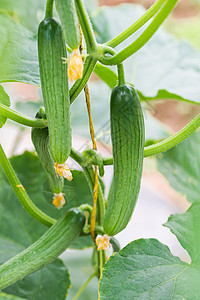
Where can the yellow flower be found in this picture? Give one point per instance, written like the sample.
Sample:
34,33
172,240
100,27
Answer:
75,66
59,200
63,171
103,242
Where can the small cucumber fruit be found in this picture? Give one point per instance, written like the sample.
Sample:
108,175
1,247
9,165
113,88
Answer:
54,84
40,139
56,239
127,135
69,20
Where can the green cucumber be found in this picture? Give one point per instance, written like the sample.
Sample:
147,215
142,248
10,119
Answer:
128,136
69,20
56,239
54,84
40,139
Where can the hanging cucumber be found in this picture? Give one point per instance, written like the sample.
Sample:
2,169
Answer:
127,134
69,20
40,139
56,239
54,84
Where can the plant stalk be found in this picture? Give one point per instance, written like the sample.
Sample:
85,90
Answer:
20,118
22,195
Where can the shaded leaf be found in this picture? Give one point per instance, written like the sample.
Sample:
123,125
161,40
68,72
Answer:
4,296
18,52
185,28
51,282
28,13
181,167
164,67
107,75
186,228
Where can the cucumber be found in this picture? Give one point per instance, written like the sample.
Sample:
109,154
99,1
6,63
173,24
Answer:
128,136
69,20
40,139
43,251
54,84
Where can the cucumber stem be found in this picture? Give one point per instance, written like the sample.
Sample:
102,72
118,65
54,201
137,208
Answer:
89,173
86,26
77,87
22,195
137,25
121,75
20,118
49,9
143,38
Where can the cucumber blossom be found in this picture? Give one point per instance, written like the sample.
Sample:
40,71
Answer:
69,20
56,239
128,136
54,84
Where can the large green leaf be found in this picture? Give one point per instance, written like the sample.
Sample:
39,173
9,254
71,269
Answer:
186,228
28,13
146,269
181,167
164,67
4,99
18,52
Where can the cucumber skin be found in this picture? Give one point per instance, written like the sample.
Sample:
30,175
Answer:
128,137
43,251
69,20
40,139
54,84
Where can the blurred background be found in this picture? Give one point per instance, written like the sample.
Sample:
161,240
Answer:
157,200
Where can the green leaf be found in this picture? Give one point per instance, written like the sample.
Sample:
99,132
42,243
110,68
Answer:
51,282
107,75
185,28
28,13
4,99
181,167
18,60
4,296
164,94
186,228
17,231
146,269
155,76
